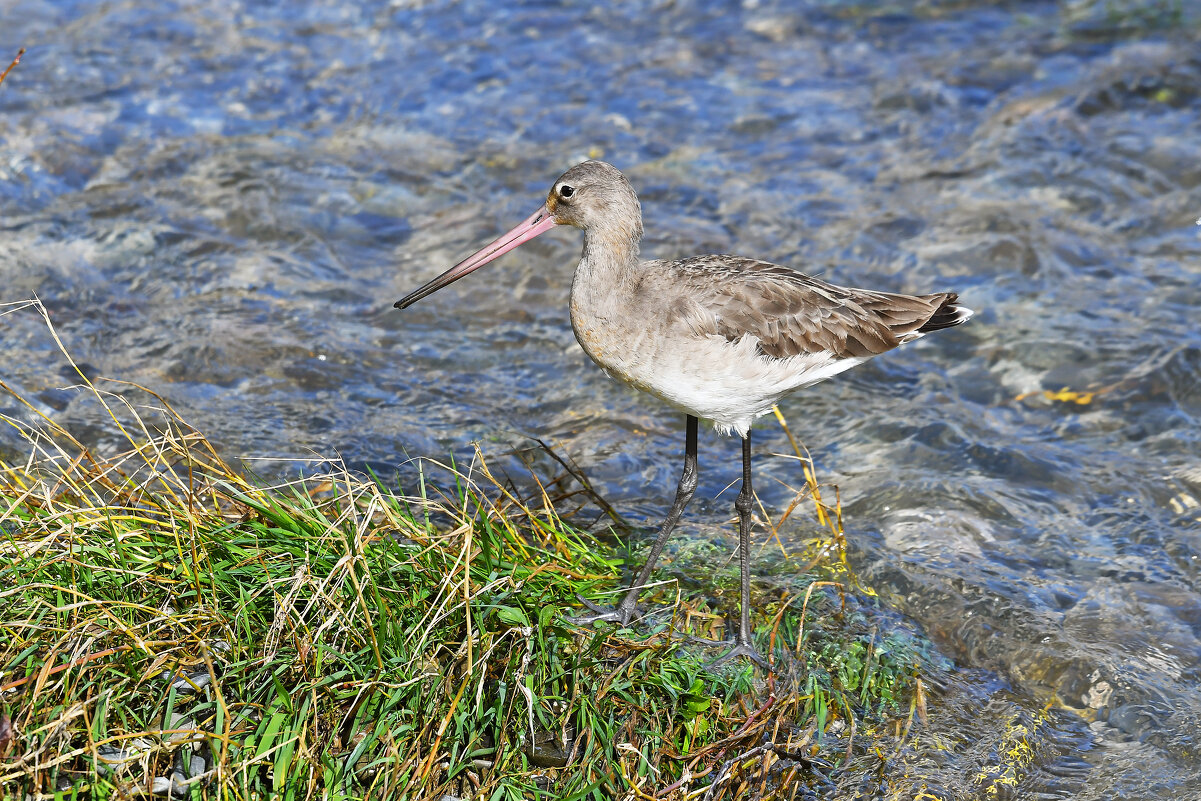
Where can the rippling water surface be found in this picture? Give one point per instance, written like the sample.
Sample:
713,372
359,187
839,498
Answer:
222,201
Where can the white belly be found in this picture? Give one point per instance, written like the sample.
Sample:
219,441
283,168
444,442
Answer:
728,383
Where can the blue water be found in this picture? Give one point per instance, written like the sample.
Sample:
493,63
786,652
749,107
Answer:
221,202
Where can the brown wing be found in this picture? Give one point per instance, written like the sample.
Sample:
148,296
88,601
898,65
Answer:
791,313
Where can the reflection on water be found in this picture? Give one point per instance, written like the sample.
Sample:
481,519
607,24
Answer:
222,206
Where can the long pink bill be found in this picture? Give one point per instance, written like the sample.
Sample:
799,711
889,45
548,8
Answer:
538,222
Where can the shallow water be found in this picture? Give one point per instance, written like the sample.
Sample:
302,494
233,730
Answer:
222,204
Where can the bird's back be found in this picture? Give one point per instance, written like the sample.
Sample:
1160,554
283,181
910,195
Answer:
790,313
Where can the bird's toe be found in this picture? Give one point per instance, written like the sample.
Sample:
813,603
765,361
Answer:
602,614
741,649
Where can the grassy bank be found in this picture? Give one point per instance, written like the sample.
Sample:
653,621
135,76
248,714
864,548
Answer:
169,626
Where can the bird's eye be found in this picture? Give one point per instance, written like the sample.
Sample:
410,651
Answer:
566,191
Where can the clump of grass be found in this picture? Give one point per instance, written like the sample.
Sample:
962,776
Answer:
169,626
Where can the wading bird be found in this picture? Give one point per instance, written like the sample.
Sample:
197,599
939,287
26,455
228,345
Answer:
718,337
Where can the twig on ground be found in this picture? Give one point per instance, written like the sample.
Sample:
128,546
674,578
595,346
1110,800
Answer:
14,63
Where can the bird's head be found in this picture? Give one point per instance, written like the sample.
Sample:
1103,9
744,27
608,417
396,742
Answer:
593,196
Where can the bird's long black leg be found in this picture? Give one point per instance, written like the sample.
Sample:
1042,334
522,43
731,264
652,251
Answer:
744,504
625,610
743,645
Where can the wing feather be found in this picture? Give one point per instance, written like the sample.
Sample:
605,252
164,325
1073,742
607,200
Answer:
790,313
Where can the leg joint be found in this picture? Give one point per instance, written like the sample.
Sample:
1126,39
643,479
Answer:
688,481
745,502
688,477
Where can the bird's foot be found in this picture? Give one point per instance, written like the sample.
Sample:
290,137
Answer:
746,649
739,648
620,614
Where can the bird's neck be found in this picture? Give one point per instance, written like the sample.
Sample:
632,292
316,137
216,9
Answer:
607,273
608,264
614,250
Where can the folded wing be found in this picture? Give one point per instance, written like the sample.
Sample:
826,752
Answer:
790,313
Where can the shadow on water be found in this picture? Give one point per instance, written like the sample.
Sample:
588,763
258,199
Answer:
223,207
